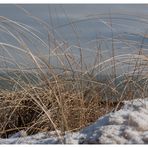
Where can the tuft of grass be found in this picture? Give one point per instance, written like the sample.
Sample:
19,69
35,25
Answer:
27,109
70,86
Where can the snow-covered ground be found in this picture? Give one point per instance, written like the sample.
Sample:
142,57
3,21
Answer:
129,125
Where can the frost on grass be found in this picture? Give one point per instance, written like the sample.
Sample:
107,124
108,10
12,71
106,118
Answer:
129,125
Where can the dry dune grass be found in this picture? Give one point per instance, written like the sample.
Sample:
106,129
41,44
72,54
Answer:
68,108
69,96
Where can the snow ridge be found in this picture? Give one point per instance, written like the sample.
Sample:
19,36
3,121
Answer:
126,126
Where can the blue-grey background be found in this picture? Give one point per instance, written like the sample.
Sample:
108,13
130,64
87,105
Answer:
89,19
80,25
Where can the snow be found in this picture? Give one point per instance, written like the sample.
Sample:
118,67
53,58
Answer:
129,125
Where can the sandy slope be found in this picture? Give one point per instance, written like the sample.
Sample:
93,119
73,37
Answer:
126,126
